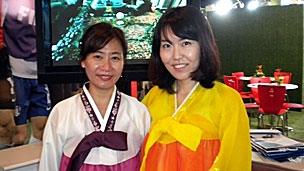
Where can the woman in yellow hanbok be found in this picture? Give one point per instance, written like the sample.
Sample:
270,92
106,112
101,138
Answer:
198,123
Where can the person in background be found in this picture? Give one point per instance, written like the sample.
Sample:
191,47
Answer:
32,97
7,124
99,128
198,123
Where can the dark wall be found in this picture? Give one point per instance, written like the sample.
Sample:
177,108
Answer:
272,36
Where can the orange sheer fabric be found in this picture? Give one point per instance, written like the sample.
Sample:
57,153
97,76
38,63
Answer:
175,156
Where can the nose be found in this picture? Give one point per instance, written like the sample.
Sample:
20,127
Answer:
106,65
176,52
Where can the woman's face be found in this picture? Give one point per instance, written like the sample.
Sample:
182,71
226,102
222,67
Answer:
180,56
104,67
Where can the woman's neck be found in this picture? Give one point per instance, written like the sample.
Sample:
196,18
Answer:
183,88
101,98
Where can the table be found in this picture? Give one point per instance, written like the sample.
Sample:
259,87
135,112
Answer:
247,78
288,86
259,163
21,158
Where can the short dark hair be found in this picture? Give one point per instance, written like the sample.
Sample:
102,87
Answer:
187,23
99,35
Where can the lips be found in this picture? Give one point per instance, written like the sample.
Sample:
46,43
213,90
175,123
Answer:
105,77
179,66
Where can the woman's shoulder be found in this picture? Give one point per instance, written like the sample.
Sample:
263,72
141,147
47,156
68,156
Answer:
68,102
226,95
132,101
135,109
223,89
154,92
64,109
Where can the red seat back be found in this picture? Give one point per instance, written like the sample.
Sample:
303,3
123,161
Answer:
238,74
240,86
254,91
271,98
231,81
285,76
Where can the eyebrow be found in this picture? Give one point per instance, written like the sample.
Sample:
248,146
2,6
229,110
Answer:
116,53
113,53
165,40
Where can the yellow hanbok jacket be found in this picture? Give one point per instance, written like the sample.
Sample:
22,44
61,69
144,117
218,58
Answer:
210,131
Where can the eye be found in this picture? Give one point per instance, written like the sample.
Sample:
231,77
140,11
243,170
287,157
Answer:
116,58
165,45
97,56
186,43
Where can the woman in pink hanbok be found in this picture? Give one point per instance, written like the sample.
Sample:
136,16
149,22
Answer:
100,128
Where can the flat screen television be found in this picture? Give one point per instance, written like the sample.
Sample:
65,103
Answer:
61,23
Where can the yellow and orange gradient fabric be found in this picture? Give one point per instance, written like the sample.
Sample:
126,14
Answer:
210,131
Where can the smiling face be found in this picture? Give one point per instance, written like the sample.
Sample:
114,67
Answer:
104,67
180,56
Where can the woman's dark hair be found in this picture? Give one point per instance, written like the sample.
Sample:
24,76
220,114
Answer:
187,23
99,35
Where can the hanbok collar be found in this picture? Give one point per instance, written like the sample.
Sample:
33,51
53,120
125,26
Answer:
104,122
107,137
176,109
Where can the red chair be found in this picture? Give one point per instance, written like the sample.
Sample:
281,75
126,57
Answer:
240,82
238,74
271,103
285,76
254,91
240,85
231,81
251,109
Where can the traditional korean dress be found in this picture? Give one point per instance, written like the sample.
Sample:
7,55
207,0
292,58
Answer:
208,131
77,137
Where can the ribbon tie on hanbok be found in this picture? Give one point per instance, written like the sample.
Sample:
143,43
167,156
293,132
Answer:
115,140
186,134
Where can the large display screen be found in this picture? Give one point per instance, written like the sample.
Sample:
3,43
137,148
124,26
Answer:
60,25
70,18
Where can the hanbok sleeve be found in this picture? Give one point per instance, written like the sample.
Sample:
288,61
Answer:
235,149
142,120
146,121
153,95
147,97
52,143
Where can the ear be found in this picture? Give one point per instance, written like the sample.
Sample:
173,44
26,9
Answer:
82,65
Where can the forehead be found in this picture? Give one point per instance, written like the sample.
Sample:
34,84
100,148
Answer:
114,45
167,34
